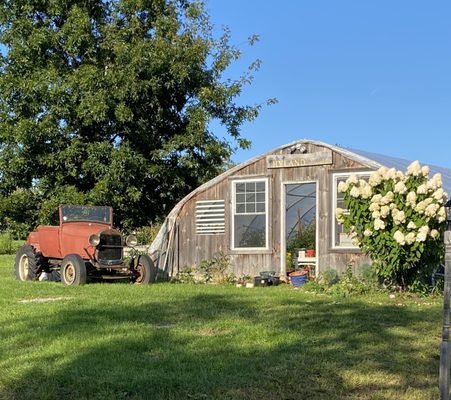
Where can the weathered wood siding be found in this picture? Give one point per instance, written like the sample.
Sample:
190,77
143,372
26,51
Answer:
193,248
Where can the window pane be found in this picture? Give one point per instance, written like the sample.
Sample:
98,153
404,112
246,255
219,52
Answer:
240,198
250,187
241,208
261,197
260,186
250,208
250,197
260,207
240,188
250,231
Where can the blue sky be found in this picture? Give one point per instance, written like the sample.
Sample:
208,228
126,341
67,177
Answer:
369,75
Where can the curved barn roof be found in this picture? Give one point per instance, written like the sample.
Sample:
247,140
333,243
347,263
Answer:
368,159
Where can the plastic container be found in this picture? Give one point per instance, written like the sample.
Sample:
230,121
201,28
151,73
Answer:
310,253
298,280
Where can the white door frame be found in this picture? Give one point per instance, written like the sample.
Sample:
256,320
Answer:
283,219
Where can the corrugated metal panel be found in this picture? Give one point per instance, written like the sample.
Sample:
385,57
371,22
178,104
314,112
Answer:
401,164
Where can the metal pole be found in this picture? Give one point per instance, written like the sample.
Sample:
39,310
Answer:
445,347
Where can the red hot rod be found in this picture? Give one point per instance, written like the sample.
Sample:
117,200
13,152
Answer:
85,244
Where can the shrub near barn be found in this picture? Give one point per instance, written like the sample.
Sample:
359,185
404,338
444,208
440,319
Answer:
397,219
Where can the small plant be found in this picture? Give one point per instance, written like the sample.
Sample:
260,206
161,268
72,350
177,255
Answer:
349,284
329,277
147,234
215,269
186,275
6,243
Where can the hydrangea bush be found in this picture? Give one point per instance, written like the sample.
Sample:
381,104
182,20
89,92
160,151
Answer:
397,219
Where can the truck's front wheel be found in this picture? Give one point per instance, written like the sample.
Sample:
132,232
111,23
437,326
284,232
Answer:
73,270
28,264
145,270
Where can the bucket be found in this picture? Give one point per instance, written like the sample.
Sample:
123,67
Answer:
298,280
310,253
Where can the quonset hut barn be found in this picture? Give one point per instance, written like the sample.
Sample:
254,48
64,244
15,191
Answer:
264,211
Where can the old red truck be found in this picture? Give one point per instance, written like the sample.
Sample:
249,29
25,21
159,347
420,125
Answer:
84,245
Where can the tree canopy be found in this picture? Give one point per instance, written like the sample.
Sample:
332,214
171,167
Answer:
109,102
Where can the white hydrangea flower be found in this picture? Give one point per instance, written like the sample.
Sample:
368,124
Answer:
399,237
411,225
431,210
437,178
422,233
422,189
342,187
438,194
352,179
414,169
435,233
411,237
339,215
374,207
375,179
366,191
368,232
376,214
355,192
389,196
382,170
390,174
379,224
425,170
400,187
411,198
385,210
400,176
420,207
355,242
441,214
399,217
376,198
392,206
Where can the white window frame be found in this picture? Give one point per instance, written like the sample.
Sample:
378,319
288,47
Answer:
234,182
334,204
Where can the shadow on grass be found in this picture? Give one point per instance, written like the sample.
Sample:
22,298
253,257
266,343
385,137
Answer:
227,347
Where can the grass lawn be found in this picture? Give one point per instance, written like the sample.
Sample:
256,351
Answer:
169,341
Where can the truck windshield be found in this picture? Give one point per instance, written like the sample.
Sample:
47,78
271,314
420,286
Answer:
86,213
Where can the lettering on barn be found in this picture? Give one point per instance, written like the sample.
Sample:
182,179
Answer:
299,160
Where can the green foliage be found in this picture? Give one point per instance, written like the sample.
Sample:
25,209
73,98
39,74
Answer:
110,103
398,219
305,238
215,269
349,284
329,277
6,243
147,234
186,275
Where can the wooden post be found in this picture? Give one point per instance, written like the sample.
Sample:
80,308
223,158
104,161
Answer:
445,347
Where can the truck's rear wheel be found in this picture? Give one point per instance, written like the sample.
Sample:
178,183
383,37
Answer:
73,270
145,269
28,264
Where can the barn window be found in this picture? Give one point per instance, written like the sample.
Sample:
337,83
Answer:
340,238
210,217
250,214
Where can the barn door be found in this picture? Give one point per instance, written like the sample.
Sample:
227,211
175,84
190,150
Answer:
299,226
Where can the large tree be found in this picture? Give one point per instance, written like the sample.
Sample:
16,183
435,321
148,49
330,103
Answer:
109,102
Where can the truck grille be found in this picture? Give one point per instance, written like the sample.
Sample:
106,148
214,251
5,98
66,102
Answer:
109,248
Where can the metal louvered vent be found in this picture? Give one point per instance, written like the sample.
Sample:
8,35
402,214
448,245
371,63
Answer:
210,217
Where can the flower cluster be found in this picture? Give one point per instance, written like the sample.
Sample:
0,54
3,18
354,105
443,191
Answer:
394,215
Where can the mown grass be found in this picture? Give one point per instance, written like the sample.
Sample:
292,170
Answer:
169,341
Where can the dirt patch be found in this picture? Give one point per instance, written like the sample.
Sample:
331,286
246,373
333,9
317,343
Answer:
44,299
